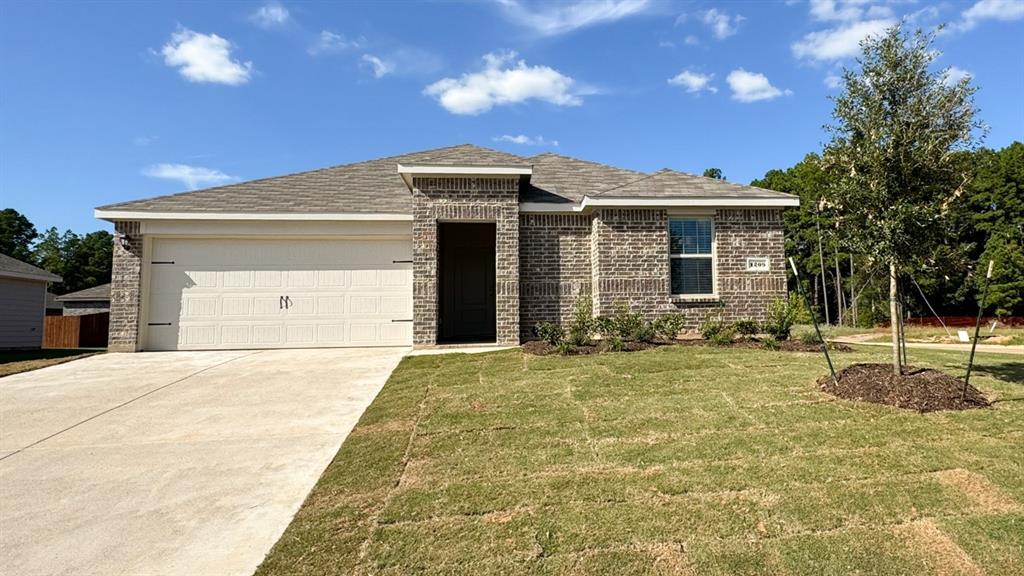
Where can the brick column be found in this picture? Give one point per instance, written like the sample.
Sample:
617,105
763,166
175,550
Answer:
126,288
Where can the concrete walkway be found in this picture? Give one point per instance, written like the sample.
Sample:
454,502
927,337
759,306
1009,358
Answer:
171,463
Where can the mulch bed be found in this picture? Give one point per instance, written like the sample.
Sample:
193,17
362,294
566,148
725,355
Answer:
921,389
541,348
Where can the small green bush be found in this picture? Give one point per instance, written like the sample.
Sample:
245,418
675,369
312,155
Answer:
631,326
712,324
582,326
770,343
781,316
550,332
669,326
746,327
809,337
605,326
615,344
565,348
723,337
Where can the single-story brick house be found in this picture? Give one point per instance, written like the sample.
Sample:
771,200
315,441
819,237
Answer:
95,300
456,244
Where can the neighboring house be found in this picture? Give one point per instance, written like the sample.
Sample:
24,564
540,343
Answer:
53,307
95,300
22,303
449,245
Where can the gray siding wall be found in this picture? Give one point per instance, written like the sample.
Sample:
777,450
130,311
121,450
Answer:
21,313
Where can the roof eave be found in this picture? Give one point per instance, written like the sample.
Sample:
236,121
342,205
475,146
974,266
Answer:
43,277
128,214
589,202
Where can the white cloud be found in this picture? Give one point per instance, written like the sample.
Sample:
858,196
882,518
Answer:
560,18
144,140
328,42
833,81
722,25
843,10
952,75
270,15
838,43
205,58
381,68
1004,10
691,40
525,140
191,176
693,81
752,86
503,80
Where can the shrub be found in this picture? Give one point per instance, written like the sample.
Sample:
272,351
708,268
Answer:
712,324
770,343
781,316
669,326
550,332
605,326
800,313
582,326
809,337
615,344
746,327
630,326
565,348
724,336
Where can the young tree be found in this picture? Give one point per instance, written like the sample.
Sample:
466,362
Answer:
16,235
897,127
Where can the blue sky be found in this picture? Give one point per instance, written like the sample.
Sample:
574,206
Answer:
103,102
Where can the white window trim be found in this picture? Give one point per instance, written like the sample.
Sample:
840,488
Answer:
713,295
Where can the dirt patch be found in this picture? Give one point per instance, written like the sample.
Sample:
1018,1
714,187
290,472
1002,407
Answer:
921,389
925,537
986,497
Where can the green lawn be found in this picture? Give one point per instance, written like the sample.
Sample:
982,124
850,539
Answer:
16,361
681,460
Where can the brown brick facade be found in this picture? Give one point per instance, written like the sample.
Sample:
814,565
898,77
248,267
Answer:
491,199
627,251
126,289
554,267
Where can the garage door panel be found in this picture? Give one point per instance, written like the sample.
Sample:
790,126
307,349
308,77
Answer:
227,293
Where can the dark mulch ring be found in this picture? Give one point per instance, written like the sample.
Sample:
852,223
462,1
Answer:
921,389
541,348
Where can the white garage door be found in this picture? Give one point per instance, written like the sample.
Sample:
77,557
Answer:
219,293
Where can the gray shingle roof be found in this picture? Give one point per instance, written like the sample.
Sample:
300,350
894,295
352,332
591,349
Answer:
667,183
374,186
101,292
14,268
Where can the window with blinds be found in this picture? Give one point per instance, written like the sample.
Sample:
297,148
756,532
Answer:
691,256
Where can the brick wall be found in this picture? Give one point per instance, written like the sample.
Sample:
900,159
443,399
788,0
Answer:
554,267
629,262
465,200
126,289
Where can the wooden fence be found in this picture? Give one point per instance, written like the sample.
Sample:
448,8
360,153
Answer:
89,331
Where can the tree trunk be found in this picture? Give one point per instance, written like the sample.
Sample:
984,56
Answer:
840,295
853,296
894,320
821,262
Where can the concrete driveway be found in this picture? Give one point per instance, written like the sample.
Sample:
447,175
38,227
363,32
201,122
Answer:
171,463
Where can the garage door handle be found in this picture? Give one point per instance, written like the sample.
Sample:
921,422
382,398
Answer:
409,320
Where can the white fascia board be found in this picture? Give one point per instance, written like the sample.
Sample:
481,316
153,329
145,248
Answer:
112,215
547,207
466,170
710,202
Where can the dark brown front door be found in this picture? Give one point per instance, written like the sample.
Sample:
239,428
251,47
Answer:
466,282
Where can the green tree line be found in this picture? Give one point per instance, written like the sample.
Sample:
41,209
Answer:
83,261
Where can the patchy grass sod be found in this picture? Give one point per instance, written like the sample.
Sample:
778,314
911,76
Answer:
672,460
